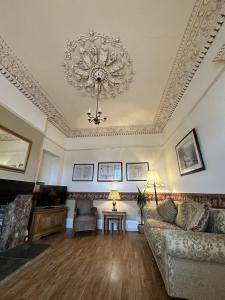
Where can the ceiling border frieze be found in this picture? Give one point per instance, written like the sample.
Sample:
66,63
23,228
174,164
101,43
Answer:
220,56
203,25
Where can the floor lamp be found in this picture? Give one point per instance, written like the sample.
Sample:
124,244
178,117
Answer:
154,181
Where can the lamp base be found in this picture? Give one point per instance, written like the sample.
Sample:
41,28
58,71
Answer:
114,206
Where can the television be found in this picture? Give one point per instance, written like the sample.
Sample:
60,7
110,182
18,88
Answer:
51,195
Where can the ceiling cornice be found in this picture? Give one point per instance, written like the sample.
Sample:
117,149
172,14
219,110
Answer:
204,23
203,26
220,56
114,130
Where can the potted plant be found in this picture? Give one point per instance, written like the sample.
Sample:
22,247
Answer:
141,202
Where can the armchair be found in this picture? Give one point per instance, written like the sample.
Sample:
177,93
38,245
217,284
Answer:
85,216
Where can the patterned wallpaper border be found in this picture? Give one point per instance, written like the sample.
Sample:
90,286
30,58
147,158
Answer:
216,200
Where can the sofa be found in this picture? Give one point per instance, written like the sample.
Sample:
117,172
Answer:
191,263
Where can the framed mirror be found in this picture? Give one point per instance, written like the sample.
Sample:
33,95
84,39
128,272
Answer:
14,150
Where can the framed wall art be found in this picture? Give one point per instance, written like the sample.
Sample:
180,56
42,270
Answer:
110,171
83,172
189,155
137,171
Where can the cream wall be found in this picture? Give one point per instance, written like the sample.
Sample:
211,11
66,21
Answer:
12,122
25,117
13,100
122,149
202,108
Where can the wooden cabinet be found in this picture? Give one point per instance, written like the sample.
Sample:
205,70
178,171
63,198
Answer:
48,220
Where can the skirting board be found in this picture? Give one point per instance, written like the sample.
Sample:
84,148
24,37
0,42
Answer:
131,225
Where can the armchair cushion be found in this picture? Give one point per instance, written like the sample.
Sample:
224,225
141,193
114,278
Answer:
200,246
85,218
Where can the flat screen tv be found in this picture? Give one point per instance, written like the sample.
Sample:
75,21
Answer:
51,195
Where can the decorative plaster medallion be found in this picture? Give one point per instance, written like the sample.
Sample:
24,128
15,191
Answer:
220,55
95,55
204,23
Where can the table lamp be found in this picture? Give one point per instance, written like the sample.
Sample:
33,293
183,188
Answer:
114,196
154,180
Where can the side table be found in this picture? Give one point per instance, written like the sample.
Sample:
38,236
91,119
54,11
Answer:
109,214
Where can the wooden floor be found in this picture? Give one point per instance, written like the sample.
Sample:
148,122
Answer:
89,267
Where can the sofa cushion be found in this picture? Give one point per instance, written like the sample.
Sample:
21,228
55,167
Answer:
167,210
192,215
198,215
182,214
216,222
161,224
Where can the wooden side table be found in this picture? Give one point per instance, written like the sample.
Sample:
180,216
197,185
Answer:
109,214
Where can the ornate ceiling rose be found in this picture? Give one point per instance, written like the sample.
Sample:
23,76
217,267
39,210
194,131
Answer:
95,55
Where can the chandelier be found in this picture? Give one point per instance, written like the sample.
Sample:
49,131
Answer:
98,66
97,119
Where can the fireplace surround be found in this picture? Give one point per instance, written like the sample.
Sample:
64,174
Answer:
15,209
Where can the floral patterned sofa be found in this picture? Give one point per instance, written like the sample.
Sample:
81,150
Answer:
192,264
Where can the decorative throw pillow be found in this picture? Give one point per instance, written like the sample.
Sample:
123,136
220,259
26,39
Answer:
198,216
182,214
167,210
216,222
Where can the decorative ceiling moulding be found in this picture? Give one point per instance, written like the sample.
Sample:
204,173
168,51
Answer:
113,130
220,55
13,69
204,23
95,55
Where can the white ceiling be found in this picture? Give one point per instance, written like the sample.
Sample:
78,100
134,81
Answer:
151,31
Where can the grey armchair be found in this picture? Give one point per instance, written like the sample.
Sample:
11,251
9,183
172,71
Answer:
85,216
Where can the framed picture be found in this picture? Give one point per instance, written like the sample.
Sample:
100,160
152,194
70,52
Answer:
189,155
137,171
83,172
110,171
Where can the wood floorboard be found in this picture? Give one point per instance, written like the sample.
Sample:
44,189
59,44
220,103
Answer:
89,267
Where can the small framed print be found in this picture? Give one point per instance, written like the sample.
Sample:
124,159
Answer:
110,171
137,171
83,172
189,155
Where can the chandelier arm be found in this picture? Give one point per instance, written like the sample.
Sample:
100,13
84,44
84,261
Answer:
99,82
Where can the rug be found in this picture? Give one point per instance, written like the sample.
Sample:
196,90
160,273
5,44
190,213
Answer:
13,259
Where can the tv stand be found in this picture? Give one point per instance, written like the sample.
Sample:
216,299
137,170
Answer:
47,221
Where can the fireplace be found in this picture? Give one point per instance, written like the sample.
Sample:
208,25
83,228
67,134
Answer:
15,208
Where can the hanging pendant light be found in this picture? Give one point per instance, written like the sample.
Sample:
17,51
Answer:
97,119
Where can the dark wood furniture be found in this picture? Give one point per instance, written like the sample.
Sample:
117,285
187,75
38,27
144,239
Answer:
47,220
113,215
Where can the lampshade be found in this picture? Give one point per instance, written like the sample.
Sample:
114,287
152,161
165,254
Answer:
154,178
114,195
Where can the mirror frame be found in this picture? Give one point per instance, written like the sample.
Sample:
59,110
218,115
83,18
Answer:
3,167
